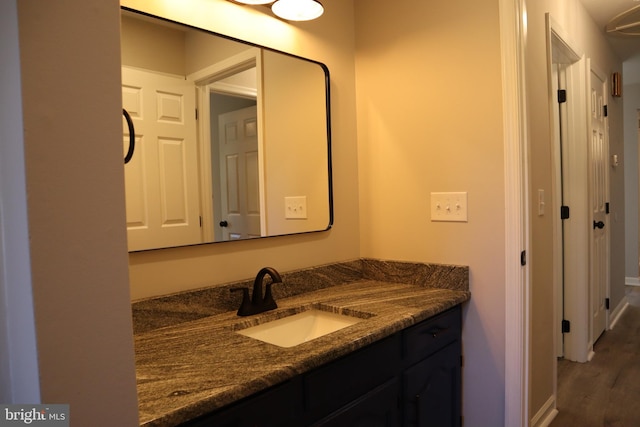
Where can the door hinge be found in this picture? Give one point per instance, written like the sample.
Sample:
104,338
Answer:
461,360
606,303
605,110
564,212
606,208
566,326
196,114
562,96
523,258
200,221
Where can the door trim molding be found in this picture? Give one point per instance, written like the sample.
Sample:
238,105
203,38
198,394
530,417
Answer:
20,366
207,80
512,40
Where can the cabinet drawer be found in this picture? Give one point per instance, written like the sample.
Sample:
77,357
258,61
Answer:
429,336
330,387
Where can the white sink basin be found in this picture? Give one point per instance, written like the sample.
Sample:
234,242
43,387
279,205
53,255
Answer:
299,328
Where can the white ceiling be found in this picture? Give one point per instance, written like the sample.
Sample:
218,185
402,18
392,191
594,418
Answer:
602,11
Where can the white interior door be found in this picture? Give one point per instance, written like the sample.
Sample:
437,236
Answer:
162,195
598,195
239,174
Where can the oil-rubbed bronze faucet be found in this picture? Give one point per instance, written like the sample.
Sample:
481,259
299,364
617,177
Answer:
259,303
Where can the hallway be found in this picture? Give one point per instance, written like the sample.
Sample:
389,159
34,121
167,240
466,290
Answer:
606,391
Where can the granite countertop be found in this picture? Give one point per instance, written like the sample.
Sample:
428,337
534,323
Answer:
192,368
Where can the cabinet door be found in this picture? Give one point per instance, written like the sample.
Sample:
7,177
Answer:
378,408
276,407
432,390
335,385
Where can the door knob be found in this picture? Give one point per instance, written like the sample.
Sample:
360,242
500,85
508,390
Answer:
598,224
224,224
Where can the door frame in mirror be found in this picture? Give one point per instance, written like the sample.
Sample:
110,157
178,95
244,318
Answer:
206,80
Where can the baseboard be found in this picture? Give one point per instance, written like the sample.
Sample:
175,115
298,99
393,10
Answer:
614,316
546,414
632,281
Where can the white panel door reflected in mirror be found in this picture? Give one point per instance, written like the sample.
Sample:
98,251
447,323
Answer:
226,132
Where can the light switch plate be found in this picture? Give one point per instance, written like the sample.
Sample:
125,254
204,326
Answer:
449,207
541,202
295,207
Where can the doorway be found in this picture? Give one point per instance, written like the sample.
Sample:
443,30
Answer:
226,91
235,167
570,158
581,266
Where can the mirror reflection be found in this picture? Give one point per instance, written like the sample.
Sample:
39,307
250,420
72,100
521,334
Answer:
232,140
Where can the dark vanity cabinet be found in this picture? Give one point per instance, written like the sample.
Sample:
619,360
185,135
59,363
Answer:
412,378
432,375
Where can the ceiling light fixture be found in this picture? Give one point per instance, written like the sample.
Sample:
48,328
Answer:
290,10
625,24
253,2
298,10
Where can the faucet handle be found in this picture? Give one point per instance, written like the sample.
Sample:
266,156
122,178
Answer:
245,306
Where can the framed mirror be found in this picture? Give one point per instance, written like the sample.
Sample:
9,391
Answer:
232,140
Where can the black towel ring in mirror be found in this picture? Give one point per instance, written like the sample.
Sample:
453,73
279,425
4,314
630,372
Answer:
132,137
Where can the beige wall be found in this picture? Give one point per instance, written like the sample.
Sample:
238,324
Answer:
430,120
145,45
581,30
329,40
631,99
203,51
69,54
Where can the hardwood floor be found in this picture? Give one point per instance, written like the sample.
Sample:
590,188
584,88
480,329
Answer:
606,391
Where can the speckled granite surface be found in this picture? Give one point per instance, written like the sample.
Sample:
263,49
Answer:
197,366
169,310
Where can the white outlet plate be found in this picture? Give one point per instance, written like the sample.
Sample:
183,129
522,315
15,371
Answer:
449,207
295,207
